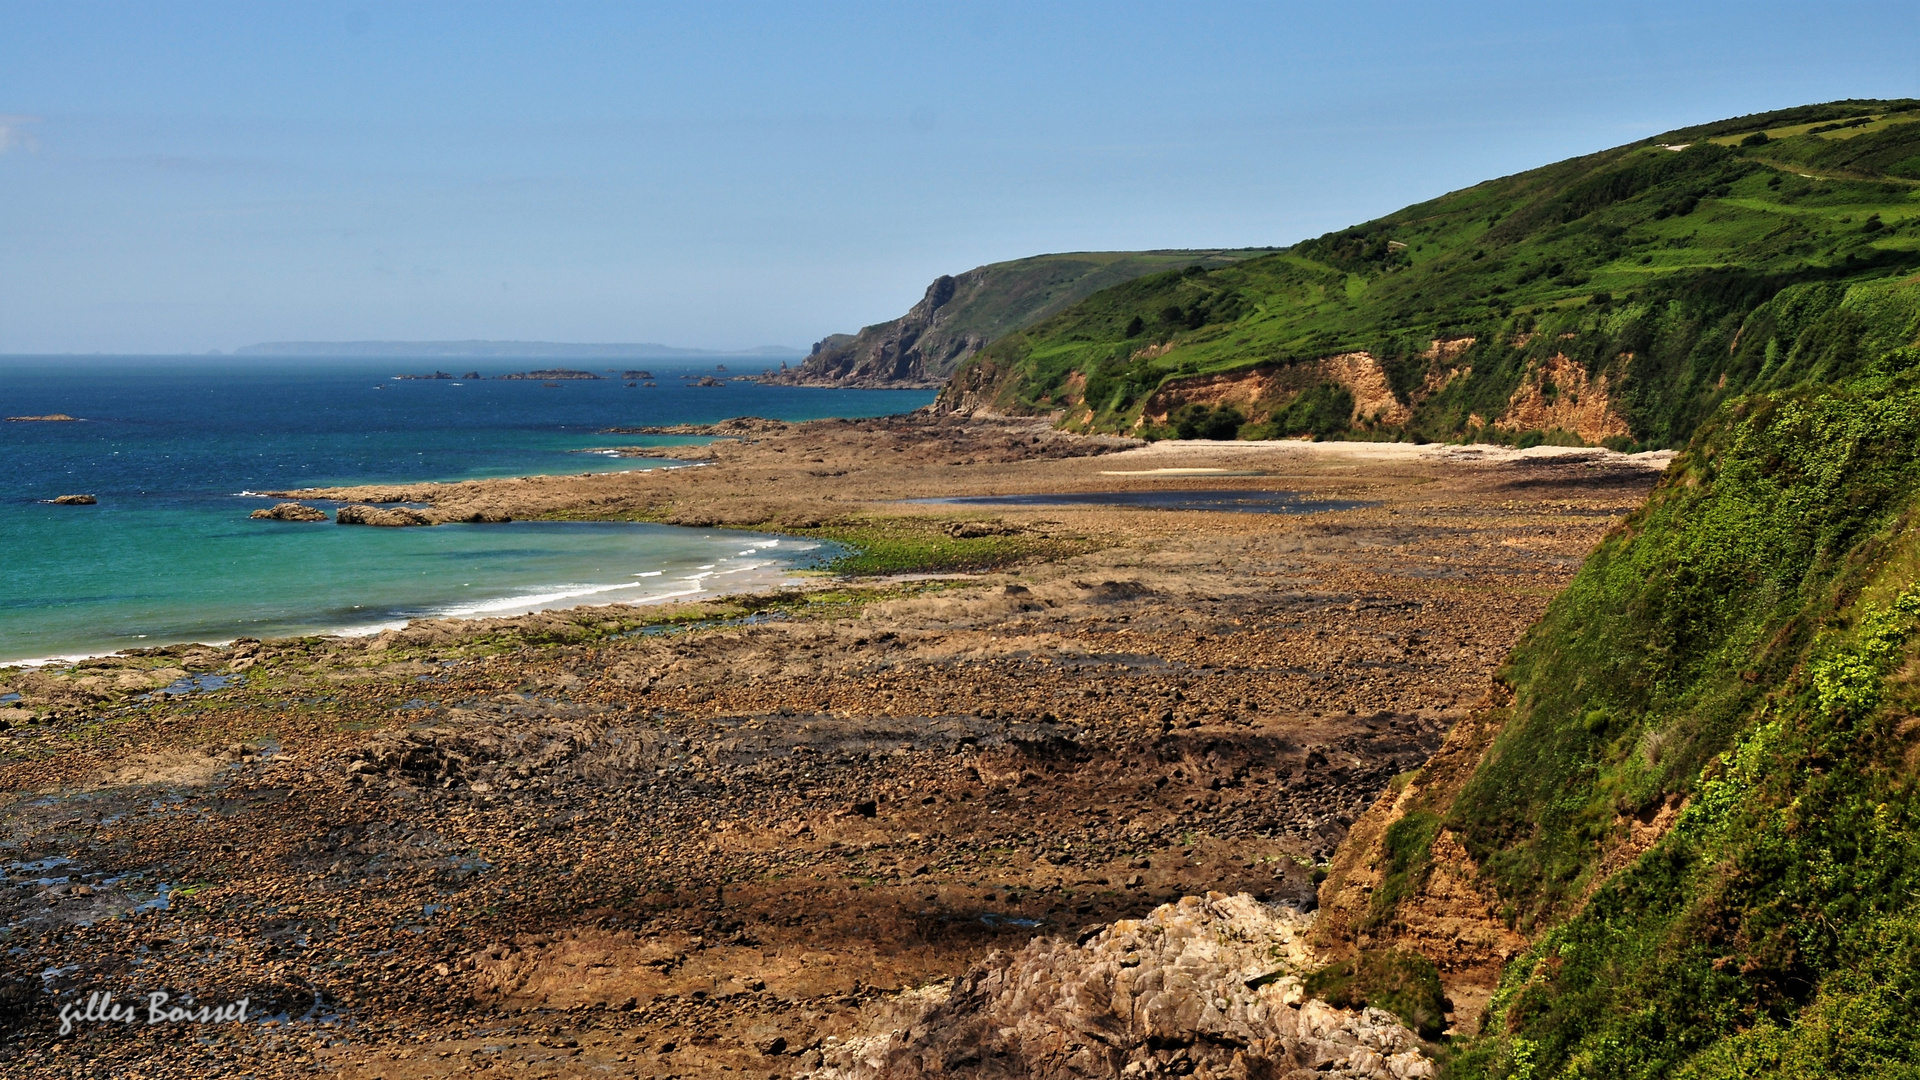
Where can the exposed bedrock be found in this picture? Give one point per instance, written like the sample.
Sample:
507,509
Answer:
289,511
1209,987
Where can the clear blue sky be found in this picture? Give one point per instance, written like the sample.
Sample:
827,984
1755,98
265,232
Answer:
184,177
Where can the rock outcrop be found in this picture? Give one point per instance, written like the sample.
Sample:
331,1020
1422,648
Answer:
1560,394
290,511
387,516
1259,392
961,313
738,426
1208,987
909,351
550,375
73,500
50,418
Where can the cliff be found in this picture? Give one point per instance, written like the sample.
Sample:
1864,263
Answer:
961,313
1617,298
1683,838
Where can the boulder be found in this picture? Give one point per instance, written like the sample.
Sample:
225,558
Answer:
385,516
74,500
1208,986
290,511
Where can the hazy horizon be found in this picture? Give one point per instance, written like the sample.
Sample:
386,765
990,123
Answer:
188,177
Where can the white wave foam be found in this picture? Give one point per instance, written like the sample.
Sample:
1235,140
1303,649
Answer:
549,598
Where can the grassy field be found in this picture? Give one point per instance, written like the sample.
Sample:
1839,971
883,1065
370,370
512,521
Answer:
1653,268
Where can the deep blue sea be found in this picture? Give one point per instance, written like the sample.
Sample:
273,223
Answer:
169,444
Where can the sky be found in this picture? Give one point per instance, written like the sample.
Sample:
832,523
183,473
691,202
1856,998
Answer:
186,177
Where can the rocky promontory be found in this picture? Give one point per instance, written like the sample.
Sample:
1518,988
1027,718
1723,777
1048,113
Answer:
960,313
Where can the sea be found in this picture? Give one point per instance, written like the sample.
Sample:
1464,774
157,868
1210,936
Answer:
174,449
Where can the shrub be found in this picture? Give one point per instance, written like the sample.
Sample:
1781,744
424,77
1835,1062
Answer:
1405,984
1205,422
1320,411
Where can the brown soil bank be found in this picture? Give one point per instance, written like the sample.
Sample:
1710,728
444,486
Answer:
648,842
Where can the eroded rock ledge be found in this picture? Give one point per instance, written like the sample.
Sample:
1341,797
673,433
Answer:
1207,987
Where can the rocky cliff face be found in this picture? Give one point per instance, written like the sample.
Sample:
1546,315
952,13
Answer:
917,349
961,313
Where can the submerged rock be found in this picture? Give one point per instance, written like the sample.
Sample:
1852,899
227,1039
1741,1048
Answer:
386,516
74,500
290,511
1206,986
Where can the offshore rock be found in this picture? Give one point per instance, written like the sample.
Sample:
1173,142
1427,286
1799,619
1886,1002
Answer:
290,511
74,500
1208,987
550,375
389,517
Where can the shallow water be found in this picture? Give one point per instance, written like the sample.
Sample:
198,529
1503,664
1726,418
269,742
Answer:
169,445
1236,502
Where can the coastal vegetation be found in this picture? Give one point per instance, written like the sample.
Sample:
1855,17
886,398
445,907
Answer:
962,312
1700,806
1690,799
1697,810
1616,298
1743,648
877,544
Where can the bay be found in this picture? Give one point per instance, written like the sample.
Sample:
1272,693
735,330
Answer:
170,444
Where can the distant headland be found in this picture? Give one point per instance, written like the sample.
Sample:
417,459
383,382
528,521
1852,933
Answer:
555,350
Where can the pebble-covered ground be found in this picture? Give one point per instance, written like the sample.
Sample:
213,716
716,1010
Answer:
574,844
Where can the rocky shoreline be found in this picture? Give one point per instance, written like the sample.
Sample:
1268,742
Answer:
747,836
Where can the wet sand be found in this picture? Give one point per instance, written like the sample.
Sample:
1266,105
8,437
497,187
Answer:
568,844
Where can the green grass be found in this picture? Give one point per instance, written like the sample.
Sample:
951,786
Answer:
1745,642
915,545
1665,272
999,298
1403,983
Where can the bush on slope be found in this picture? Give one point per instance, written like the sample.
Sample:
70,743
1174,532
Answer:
1745,641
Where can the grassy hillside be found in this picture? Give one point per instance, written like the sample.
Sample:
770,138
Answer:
961,313
1743,648
1619,297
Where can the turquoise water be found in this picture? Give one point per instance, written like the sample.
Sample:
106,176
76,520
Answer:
168,445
